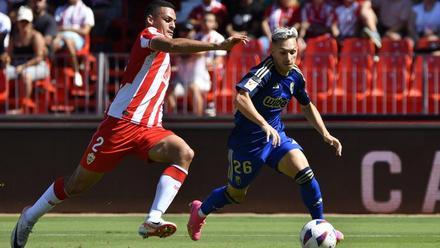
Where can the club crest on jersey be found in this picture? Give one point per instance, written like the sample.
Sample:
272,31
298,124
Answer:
271,102
292,86
90,158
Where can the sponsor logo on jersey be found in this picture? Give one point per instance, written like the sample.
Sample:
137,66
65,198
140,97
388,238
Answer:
276,86
90,158
271,102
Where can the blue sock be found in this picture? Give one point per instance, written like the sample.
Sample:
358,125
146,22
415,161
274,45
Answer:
216,200
310,193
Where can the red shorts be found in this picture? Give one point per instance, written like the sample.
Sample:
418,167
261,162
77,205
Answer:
116,138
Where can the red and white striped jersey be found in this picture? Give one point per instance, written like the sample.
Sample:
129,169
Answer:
144,83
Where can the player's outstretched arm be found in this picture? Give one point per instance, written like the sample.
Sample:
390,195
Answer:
183,45
244,104
314,117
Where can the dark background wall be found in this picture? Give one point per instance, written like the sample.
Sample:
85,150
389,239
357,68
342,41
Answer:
31,157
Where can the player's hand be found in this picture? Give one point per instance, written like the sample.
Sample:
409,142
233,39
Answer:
334,142
273,134
232,41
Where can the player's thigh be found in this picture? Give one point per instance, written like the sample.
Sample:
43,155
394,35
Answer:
111,142
292,162
287,158
243,168
81,180
171,149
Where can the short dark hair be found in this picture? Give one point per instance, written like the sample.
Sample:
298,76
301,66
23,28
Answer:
154,5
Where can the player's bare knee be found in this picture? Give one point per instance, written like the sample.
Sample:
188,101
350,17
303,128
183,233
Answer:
185,156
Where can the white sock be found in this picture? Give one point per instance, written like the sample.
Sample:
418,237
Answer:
201,214
43,205
166,190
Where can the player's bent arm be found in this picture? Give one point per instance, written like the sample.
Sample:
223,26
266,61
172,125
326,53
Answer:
244,104
314,117
183,45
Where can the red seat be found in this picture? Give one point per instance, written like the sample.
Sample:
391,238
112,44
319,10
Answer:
319,68
426,71
38,102
4,87
354,84
319,72
321,45
66,92
391,88
401,47
358,46
240,60
428,44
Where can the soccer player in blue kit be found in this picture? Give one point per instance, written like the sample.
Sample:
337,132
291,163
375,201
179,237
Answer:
258,137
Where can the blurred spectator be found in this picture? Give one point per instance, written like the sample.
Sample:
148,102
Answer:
27,52
426,21
12,8
75,20
213,6
5,30
348,19
4,6
186,7
211,61
317,18
363,15
245,18
183,67
105,11
281,13
43,21
394,16
193,71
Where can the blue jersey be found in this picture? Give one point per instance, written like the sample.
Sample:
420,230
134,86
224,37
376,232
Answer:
270,93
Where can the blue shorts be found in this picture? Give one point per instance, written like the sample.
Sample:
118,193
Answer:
247,159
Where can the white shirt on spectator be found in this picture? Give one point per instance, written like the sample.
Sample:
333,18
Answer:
74,16
200,73
213,37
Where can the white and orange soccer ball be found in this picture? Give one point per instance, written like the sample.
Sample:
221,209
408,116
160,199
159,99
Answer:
318,234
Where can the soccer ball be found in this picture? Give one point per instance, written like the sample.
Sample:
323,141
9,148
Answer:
318,234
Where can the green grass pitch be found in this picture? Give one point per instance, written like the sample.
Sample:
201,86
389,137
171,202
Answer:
226,231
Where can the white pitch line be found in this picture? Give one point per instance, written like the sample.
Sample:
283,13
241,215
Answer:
237,235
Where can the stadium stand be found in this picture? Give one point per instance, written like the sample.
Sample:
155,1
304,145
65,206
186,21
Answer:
344,77
319,69
240,59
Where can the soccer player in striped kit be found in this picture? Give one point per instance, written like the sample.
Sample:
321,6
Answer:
133,125
258,137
